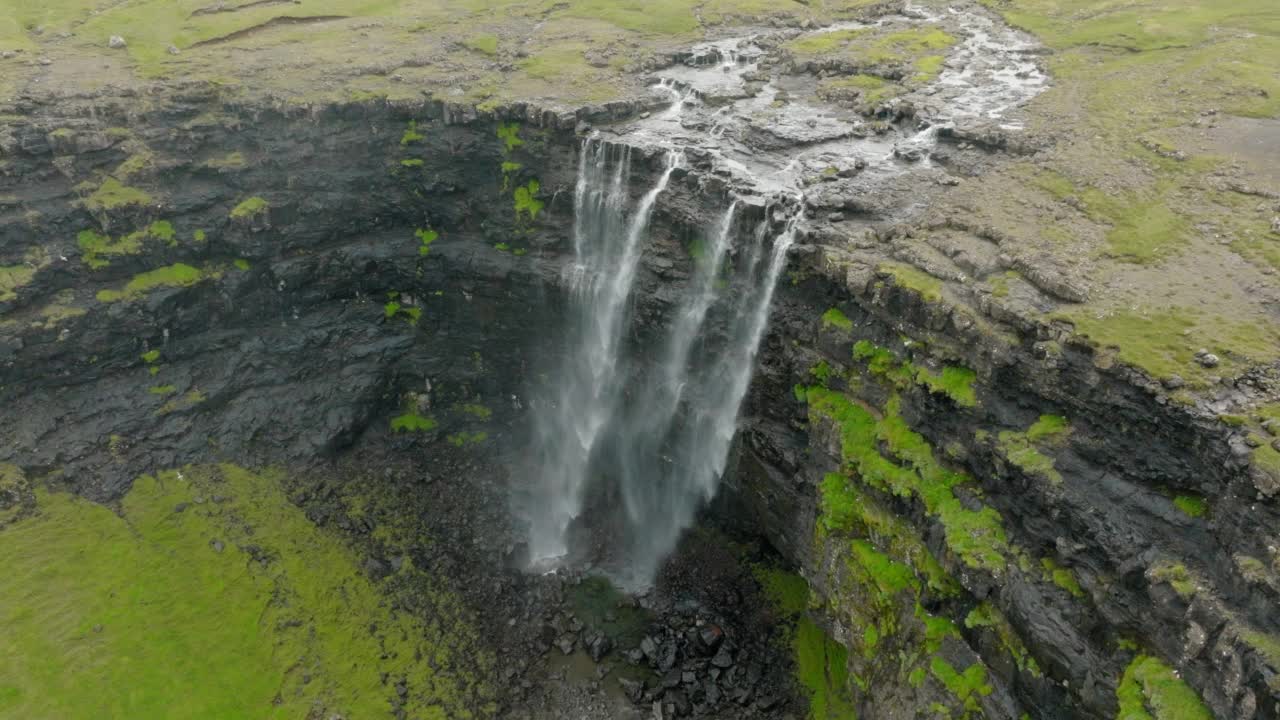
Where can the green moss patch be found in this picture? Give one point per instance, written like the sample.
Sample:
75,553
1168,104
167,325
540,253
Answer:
173,276
1062,577
249,208
186,401
1176,576
411,134
14,277
1193,505
908,276
509,134
425,238
1023,449
211,593
967,686
976,536
870,89
988,616
97,250
464,439
1150,690
833,318
527,203
114,195
412,422
954,382
821,662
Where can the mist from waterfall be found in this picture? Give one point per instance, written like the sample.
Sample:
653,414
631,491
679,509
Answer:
660,431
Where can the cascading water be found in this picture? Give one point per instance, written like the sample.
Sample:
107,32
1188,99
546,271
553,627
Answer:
607,249
693,427
662,433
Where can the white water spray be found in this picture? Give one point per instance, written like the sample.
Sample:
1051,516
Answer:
607,249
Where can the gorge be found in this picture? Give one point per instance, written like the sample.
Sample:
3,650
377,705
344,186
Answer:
855,360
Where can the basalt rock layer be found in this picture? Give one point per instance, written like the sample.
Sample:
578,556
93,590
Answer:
995,518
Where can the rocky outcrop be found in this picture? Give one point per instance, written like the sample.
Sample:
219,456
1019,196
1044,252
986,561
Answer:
211,281
1122,524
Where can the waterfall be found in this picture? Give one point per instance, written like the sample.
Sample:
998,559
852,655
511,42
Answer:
661,431
663,497
607,252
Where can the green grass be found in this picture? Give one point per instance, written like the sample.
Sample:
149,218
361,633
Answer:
908,276
151,356
1149,690
208,596
412,422
96,250
412,162
847,509
986,615
178,275
526,200
113,195
186,402
1146,231
249,208
509,134
954,382
821,662
977,537
394,309
1193,505
825,42
1023,449
486,44
1018,451
967,686
866,48
463,439
411,134
822,669
1062,577
12,278
1163,341
1049,429
162,390
821,372
1267,459
425,238
1177,577
870,89
833,318
890,577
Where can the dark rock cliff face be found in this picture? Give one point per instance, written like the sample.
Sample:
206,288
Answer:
1146,574
287,347
316,317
